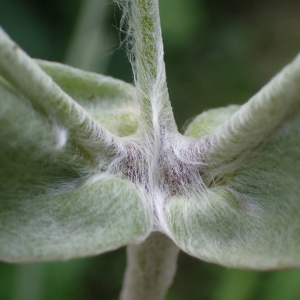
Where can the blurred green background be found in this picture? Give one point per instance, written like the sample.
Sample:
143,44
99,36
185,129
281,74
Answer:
217,52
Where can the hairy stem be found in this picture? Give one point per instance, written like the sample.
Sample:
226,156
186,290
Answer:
151,268
258,118
47,97
149,67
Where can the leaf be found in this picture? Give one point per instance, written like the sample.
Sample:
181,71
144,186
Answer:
249,218
52,206
256,120
108,100
89,220
206,122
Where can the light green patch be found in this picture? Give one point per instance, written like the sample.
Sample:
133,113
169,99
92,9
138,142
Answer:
209,120
118,122
108,100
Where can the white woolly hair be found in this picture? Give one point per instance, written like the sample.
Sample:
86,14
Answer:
199,190
204,192
160,161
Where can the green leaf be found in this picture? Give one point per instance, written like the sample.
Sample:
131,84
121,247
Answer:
95,218
209,120
49,99
35,154
52,206
249,218
108,100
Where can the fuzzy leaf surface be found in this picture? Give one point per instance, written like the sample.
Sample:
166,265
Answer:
108,100
52,203
249,218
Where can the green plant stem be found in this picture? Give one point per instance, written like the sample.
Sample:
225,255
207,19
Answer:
149,67
151,268
258,118
47,97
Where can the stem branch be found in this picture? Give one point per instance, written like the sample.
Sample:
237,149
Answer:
151,268
47,97
258,118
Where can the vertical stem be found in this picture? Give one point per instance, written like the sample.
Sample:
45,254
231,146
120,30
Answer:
149,67
151,268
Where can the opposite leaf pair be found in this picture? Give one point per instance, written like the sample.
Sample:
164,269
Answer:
83,179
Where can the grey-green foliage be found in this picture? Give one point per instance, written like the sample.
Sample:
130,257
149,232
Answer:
109,101
50,206
251,217
89,163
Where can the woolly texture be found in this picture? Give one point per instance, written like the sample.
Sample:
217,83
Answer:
49,98
228,192
144,42
55,203
248,218
257,119
109,101
151,267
